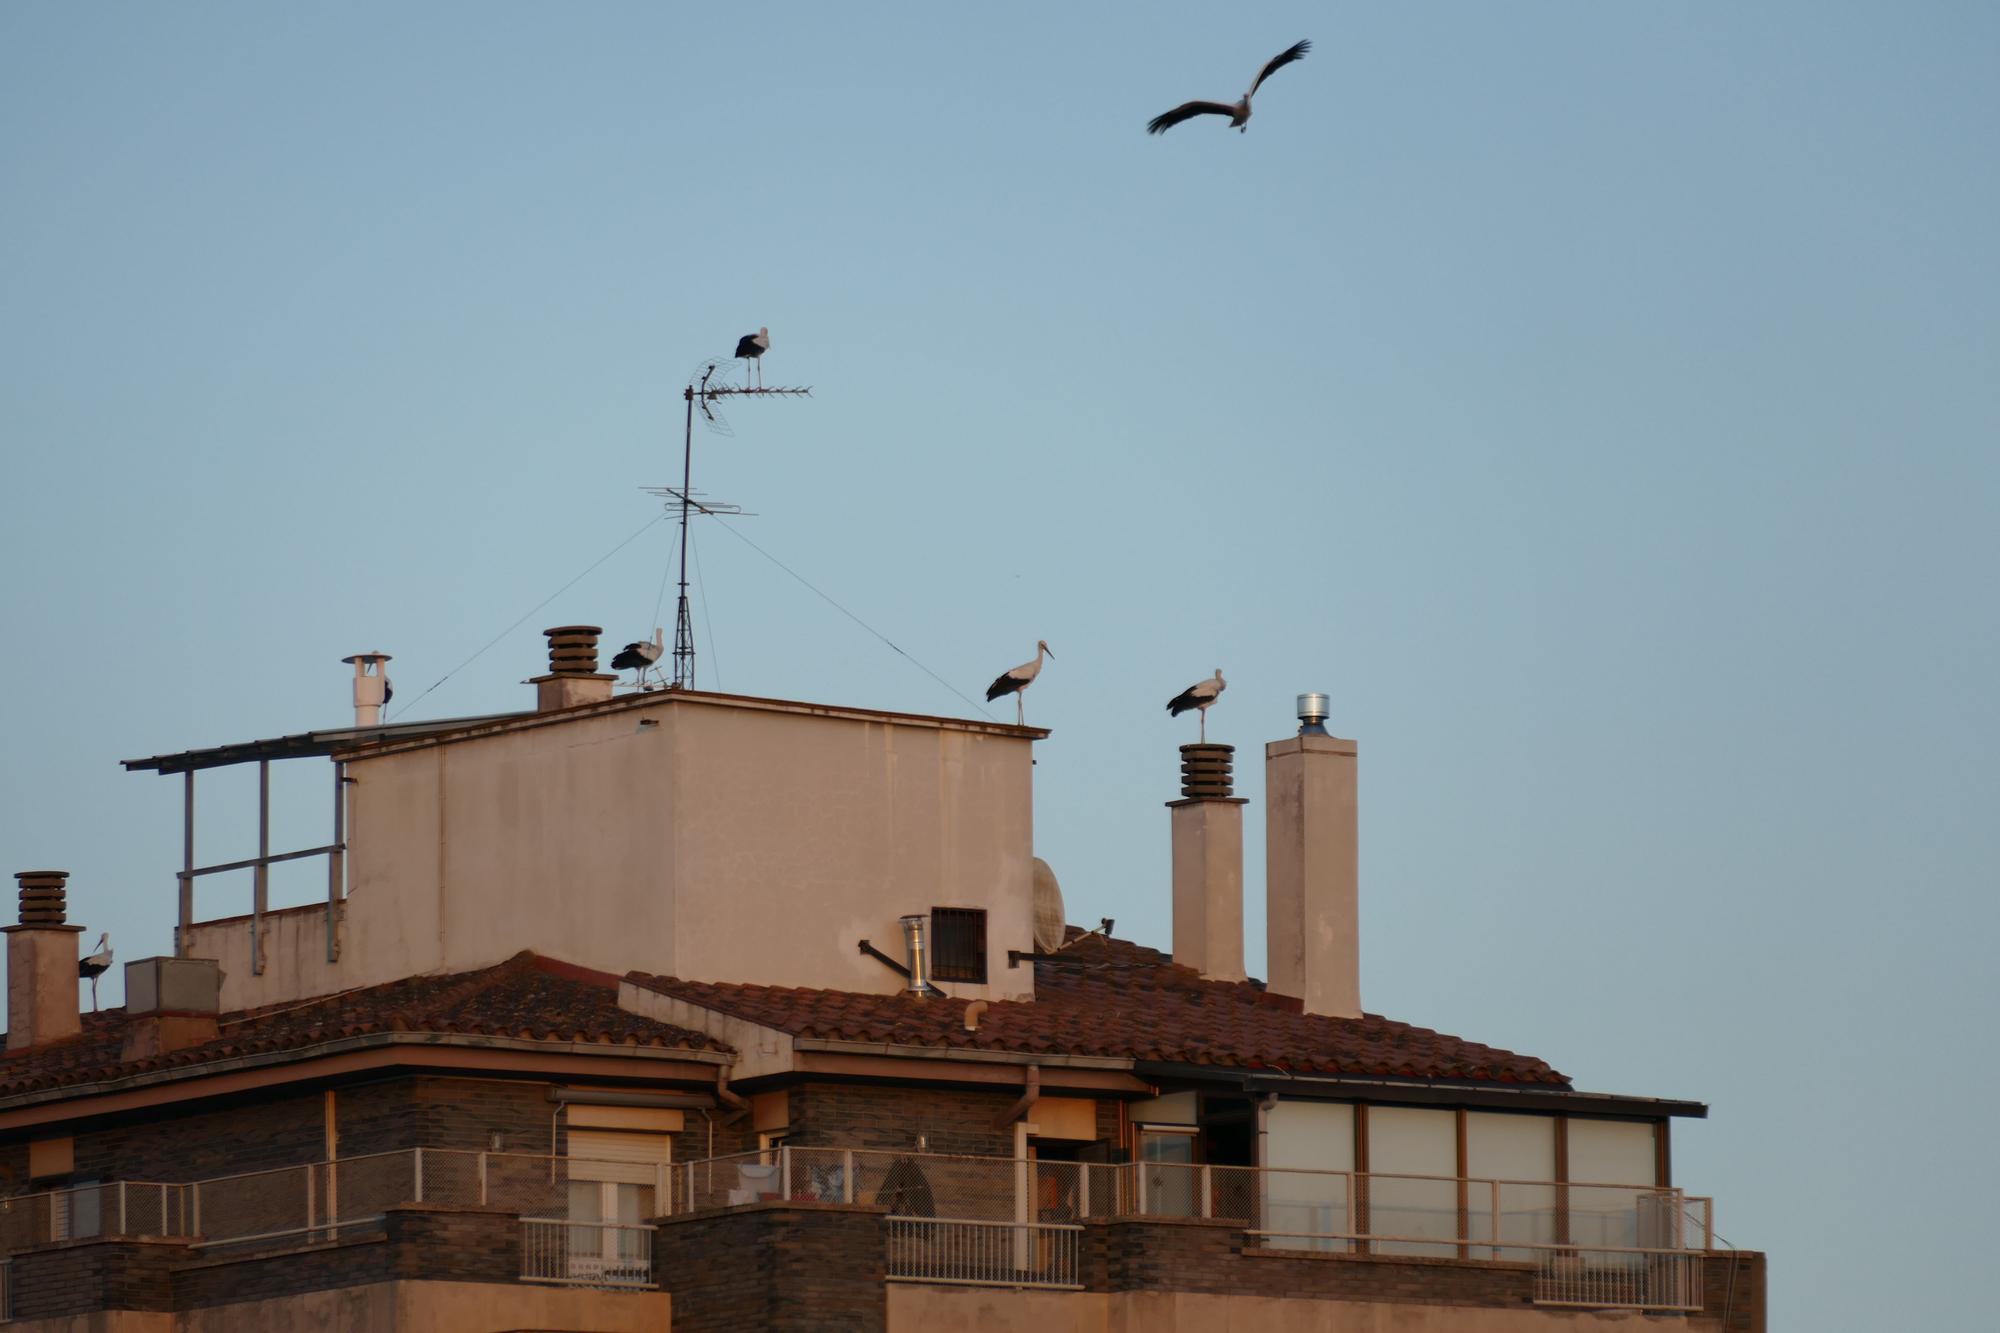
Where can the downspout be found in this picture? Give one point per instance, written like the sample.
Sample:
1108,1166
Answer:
738,1106
1029,1093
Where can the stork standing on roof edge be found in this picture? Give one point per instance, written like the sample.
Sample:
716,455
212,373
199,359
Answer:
95,966
1201,695
1019,679
640,657
1239,111
751,347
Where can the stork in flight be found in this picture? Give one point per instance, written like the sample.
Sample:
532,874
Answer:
641,656
751,347
1019,679
1199,695
1239,114
95,966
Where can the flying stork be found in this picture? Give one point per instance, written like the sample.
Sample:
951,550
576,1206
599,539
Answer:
1199,695
1239,113
641,656
1019,679
751,347
96,966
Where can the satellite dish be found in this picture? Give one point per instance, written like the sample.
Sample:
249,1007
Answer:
1049,922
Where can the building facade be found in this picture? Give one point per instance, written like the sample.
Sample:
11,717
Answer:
674,1010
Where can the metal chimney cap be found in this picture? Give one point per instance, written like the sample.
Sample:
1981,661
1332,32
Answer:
368,657
1312,711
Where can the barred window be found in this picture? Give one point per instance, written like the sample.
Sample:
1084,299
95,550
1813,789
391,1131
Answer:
958,944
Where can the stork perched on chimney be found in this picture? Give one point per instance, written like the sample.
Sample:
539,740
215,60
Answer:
1202,694
95,966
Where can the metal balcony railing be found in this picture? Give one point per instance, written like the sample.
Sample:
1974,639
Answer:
1011,1221
260,1210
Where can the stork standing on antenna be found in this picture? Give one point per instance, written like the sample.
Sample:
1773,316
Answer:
1201,695
1238,112
641,657
751,347
1019,679
95,966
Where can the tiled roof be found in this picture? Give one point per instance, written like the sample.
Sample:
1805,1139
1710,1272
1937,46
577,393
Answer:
528,996
1114,998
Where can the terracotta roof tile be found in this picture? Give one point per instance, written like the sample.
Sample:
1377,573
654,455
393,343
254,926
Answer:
1118,999
528,996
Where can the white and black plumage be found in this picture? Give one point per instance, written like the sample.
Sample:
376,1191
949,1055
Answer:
1199,695
1020,678
95,966
751,347
640,657
1239,112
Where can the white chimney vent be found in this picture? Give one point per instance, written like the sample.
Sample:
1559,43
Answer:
372,690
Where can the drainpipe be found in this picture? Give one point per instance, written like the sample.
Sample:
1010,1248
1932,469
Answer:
1029,1093
735,1101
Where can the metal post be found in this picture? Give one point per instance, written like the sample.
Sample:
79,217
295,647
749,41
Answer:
482,1179
195,1230
336,863
181,945
683,622
785,1172
847,1176
1496,1221
311,1199
164,1224
261,881
420,1177
121,1210
1206,1198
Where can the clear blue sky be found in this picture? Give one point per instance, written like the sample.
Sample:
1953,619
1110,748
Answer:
1599,402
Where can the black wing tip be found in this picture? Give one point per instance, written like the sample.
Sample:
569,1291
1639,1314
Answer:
1160,124
1299,48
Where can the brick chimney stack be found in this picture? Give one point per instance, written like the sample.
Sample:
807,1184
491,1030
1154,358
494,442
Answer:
42,955
1208,864
573,677
1311,866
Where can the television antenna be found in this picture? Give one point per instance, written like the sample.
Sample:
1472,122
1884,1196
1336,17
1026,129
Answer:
702,394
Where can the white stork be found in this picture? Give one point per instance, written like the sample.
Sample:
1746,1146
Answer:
751,347
1199,695
96,966
1239,112
641,656
1019,679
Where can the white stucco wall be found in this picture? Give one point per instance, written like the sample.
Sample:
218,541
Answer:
701,837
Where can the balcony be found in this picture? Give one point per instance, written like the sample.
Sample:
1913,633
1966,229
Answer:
267,1212
1007,1222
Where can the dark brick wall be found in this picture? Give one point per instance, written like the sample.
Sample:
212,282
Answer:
249,1135
779,1267
443,1113
1733,1290
425,1241
113,1274
859,1115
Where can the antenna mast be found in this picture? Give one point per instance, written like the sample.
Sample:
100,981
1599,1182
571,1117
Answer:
701,392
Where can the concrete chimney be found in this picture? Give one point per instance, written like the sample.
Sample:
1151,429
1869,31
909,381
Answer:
371,687
173,1003
42,956
1208,864
1311,871
573,677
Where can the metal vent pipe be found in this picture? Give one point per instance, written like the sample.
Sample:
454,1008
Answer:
919,957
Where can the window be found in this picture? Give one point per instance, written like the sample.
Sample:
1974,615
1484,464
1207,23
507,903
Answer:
958,944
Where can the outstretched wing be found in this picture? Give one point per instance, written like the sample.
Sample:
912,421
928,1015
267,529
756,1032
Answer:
1296,51
1166,120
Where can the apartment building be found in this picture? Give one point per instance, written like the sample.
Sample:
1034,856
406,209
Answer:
680,1010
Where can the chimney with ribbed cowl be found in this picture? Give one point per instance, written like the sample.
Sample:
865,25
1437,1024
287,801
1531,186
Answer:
1311,867
1208,864
42,956
573,677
